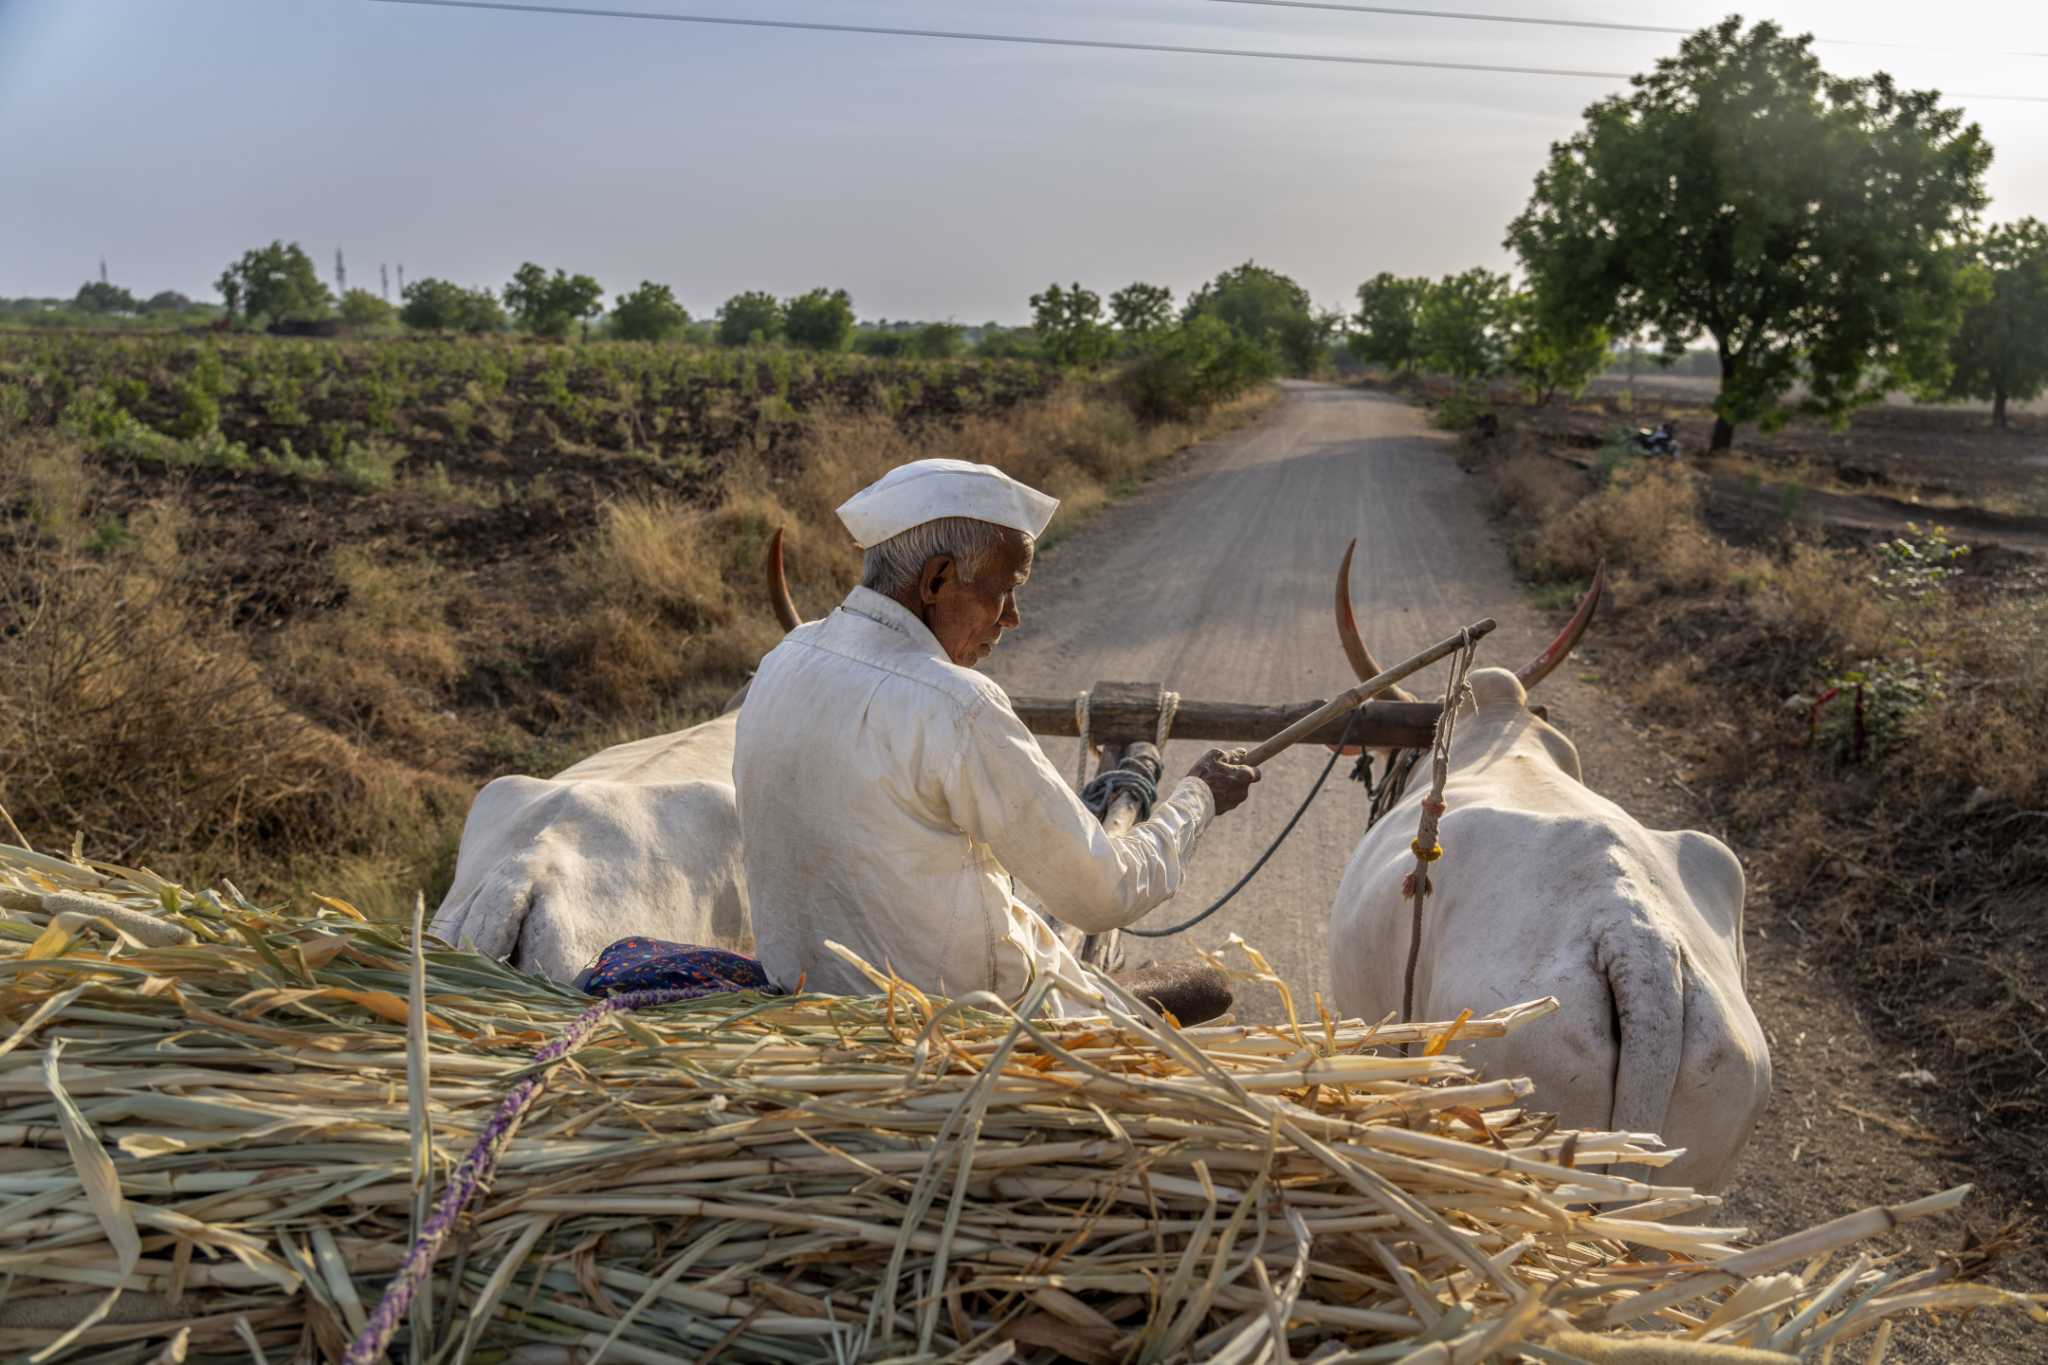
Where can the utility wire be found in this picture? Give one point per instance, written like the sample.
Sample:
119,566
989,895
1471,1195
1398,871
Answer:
1033,40
1609,26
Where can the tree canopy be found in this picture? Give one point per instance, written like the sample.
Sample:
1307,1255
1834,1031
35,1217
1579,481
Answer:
1069,325
166,301
1267,308
277,282
1385,327
821,320
649,313
1548,352
1141,310
1461,326
100,297
361,308
548,305
750,319
1804,222
2001,350
433,305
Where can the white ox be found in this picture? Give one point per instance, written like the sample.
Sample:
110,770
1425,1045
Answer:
1547,888
641,839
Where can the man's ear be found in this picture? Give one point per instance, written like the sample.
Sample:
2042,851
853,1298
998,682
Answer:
938,571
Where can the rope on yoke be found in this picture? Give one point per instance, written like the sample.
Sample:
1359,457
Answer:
1424,845
1271,849
1104,788
474,1170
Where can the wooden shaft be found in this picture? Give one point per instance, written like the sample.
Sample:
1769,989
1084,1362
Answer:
1380,724
1307,725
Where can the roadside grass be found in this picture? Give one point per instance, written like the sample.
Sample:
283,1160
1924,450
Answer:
317,717
1900,837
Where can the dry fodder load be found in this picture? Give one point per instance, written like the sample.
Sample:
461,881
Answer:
223,1128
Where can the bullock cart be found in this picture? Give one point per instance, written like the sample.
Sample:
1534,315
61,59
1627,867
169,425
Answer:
237,1132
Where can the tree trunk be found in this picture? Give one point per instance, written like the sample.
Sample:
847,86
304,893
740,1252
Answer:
1724,430
1998,408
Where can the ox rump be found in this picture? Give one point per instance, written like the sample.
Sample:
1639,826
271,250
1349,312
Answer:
1548,888
643,838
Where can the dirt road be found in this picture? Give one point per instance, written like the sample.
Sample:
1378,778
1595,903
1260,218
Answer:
1216,581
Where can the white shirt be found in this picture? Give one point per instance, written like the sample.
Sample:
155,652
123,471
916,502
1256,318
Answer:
885,793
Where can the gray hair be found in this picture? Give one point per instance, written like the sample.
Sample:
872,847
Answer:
891,567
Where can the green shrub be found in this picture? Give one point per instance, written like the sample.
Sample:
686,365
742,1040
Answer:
1192,368
369,465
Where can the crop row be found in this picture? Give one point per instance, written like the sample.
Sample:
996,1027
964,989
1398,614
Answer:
320,407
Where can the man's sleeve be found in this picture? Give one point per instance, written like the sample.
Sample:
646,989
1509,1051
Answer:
1005,793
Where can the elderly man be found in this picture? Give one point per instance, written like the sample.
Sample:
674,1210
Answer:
887,791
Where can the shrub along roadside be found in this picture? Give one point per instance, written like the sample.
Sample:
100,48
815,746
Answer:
1869,723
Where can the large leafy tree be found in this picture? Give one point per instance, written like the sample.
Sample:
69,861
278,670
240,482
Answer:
1384,330
1069,325
821,320
549,305
167,301
1462,326
277,282
2001,351
1141,311
750,319
1805,223
649,313
1269,309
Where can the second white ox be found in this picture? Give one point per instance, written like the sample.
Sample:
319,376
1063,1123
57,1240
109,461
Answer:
1548,888
641,839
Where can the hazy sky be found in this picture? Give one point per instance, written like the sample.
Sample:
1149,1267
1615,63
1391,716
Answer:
930,178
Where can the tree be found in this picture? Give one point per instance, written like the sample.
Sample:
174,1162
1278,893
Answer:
361,308
1269,309
750,319
277,282
1803,222
1384,329
1191,367
167,301
100,297
433,305
1548,352
649,313
2001,351
1141,311
1069,325
821,320
1461,329
548,305
936,341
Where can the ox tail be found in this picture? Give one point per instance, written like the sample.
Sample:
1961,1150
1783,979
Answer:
1646,980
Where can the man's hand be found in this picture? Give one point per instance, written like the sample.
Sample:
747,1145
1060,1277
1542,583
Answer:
1227,778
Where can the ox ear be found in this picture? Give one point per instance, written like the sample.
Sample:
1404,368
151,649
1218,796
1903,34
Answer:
778,586
1360,657
1568,638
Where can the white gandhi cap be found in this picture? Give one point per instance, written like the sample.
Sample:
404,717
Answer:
925,490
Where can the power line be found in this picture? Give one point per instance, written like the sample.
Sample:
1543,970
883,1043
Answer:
1034,40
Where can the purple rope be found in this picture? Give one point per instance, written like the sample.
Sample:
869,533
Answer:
475,1168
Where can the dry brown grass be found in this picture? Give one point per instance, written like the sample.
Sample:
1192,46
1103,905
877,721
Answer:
1922,867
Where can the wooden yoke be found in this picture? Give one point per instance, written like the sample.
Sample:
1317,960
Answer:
1119,713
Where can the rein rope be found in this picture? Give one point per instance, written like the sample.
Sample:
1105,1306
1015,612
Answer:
1424,845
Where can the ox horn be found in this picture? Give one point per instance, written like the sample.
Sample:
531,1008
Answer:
1568,638
778,586
1347,630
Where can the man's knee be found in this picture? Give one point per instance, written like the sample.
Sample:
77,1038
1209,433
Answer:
1191,993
